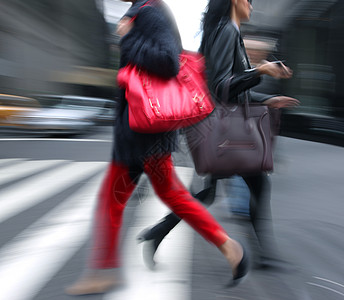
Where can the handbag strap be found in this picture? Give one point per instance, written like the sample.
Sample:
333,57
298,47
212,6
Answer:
225,92
184,77
146,82
247,106
153,101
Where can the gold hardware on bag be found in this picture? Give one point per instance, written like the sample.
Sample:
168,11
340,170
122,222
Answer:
157,102
156,106
199,100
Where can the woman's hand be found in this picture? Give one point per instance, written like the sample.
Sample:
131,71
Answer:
124,26
274,69
281,102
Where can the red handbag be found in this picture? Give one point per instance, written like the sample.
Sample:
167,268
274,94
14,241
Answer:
159,105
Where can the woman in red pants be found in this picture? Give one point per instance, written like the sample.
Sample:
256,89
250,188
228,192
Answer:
152,42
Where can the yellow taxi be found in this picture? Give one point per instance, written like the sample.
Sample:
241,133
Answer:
12,105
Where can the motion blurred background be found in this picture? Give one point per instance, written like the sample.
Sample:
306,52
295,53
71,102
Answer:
51,50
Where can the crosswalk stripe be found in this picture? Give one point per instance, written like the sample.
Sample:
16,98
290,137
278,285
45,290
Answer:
25,168
42,186
35,255
171,281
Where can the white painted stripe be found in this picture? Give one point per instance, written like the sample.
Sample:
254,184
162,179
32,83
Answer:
25,168
171,280
38,188
37,254
325,287
329,281
54,139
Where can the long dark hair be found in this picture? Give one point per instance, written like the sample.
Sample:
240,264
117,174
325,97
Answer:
215,11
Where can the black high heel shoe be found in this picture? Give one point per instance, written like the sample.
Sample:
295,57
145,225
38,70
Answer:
241,270
150,247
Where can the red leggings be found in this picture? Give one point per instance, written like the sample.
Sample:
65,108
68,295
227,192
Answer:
117,188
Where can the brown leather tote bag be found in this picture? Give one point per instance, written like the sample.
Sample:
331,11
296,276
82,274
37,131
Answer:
234,139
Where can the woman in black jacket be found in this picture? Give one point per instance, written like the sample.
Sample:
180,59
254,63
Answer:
150,39
229,77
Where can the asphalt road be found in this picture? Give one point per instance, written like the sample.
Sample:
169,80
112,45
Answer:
95,145
307,203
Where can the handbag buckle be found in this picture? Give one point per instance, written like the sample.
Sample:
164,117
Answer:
156,106
199,100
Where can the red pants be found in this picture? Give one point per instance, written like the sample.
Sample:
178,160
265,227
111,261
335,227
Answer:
117,188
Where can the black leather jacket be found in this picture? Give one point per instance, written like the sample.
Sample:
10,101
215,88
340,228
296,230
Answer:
228,68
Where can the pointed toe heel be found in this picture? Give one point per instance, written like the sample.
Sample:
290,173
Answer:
150,247
241,271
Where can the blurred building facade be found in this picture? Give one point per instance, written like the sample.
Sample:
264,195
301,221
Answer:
69,47
54,47
309,36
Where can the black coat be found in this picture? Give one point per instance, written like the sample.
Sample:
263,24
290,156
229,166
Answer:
228,68
153,44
